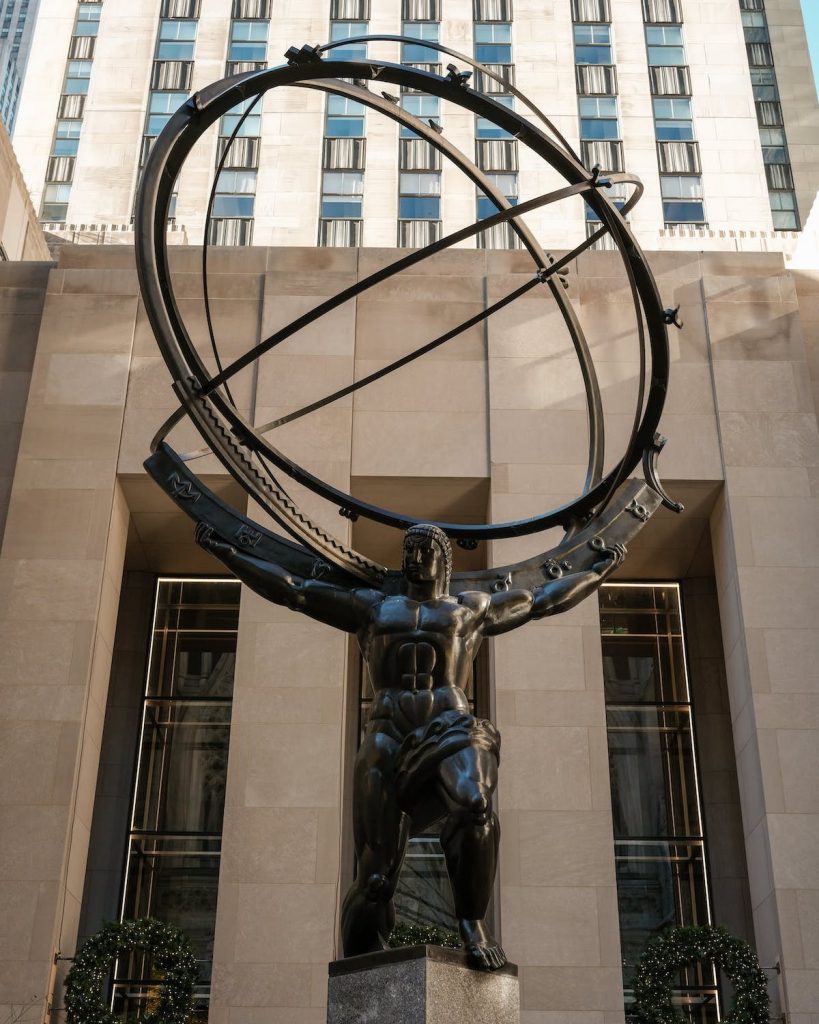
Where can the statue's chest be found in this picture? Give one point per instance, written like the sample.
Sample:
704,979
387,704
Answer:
433,621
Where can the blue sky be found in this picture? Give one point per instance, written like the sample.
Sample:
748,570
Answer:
810,9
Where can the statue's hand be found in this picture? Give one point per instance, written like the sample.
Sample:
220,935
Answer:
613,557
207,539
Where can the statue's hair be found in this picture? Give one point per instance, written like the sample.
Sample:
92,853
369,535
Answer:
437,536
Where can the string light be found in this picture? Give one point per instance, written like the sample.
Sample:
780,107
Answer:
665,957
171,955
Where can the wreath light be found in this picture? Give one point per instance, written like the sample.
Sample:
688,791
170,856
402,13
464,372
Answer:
171,952
666,955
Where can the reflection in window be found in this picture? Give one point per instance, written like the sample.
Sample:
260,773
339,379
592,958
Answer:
175,842
658,829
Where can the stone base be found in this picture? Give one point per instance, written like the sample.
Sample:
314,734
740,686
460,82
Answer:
420,985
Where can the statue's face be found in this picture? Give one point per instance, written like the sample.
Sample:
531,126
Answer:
423,562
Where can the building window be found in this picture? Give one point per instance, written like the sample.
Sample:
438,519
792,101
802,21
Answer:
426,108
419,196
660,856
682,199
769,116
347,30
493,42
486,129
598,118
665,45
342,194
66,141
417,53
177,40
175,840
344,147
345,118
88,19
592,44
248,42
673,120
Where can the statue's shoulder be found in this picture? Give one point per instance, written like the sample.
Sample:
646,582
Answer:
476,600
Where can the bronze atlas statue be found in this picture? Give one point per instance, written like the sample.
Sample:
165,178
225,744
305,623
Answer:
425,757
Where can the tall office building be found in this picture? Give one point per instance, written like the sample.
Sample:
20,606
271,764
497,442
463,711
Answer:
173,746
17,20
711,104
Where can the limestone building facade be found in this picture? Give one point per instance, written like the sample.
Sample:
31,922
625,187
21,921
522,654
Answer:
710,102
172,745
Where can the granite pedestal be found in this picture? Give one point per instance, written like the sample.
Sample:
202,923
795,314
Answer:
420,985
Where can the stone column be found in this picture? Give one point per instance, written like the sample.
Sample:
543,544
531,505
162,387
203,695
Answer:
766,549
558,907
60,574
279,882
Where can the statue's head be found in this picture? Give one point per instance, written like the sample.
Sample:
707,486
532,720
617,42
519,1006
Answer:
427,555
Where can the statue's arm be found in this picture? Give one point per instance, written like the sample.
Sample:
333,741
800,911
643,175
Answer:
513,608
337,606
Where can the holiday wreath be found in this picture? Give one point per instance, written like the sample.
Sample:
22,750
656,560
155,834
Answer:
171,955
666,955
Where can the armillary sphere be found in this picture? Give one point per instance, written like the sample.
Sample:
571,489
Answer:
610,507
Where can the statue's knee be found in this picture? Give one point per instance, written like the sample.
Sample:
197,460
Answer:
480,809
378,888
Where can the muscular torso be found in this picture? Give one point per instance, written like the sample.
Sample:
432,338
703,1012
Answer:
419,656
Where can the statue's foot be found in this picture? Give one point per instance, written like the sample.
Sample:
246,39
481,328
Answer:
481,948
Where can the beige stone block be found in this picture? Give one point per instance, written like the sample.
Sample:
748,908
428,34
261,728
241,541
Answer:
787,711
439,444
41,703
755,331
536,707
544,656
539,436
459,386
792,657
780,598
748,289
261,985
566,848
773,439
56,590
28,762
32,841
35,654
794,840
292,766
309,911
760,386
304,655
802,989
807,908
540,383
768,481
566,988
529,328
59,432
546,769
798,545
334,334
47,524
270,845
274,1015
324,435
86,379
386,331
550,925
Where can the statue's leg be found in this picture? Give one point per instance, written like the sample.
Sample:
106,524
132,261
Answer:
380,829
470,840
